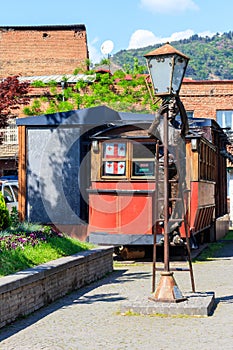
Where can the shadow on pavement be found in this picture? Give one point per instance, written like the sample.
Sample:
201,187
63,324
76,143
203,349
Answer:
77,296
228,299
226,251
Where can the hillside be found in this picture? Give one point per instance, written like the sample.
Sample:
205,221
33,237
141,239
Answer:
210,58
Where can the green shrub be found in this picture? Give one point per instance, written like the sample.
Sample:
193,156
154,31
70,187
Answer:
38,83
14,216
5,220
34,109
52,83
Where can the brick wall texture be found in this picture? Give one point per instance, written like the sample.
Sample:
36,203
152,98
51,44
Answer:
23,293
42,50
207,97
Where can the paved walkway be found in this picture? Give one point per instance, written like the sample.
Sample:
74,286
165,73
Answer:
89,318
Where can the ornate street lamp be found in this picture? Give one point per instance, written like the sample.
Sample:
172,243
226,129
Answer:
167,68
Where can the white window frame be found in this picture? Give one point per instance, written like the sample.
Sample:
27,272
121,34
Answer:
10,133
222,116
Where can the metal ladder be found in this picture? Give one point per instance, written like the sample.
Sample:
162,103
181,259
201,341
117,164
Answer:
158,220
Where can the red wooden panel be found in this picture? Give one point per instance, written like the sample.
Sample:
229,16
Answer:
124,212
103,209
201,205
135,215
120,213
193,203
124,185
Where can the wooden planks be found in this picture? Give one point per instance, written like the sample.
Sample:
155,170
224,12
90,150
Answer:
22,173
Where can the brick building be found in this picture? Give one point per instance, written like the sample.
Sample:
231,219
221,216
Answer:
37,51
209,99
213,99
42,50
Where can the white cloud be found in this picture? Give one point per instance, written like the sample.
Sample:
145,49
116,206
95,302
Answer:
207,33
142,38
94,53
168,6
181,35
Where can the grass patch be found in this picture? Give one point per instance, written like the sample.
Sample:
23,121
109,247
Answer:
229,236
20,251
124,264
130,313
210,252
159,315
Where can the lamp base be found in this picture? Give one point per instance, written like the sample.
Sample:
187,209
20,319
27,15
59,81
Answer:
167,290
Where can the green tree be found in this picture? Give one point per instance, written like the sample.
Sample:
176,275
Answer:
202,52
120,91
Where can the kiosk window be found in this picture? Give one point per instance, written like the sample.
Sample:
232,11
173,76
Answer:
143,150
141,168
114,150
127,159
114,168
114,159
143,159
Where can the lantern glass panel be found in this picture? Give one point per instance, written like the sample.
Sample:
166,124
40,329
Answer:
161,73
180,64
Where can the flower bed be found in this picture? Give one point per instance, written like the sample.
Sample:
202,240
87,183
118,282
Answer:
28,245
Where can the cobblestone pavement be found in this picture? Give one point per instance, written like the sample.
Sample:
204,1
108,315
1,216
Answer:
89,318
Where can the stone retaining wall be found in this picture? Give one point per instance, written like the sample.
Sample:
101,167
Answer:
31,289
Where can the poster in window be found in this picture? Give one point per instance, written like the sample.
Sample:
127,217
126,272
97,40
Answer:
143,168
114,168
115,150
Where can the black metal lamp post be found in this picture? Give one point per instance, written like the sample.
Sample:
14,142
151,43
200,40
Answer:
167,68
63,86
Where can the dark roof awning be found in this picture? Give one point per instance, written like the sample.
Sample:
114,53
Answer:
88,116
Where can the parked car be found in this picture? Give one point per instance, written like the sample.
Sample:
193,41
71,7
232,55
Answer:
9,189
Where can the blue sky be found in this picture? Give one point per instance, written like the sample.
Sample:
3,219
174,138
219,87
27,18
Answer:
127,23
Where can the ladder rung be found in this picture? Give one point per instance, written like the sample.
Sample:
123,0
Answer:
170,181
170,199
174,269
170,220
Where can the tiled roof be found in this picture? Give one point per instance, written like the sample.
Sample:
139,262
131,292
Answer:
112,68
